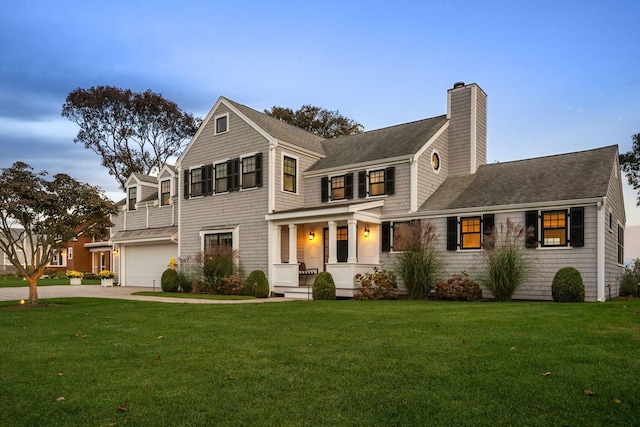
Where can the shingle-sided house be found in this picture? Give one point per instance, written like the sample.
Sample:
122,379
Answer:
281,196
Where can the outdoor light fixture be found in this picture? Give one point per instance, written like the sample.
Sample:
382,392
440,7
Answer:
115,251
312,235
366,230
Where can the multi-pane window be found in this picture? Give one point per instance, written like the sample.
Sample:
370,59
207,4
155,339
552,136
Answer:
221,178
554,228
213,241
248,172
132,197
337,188
470,232
196,182
165,192
376,183
221,124
289,174
620,245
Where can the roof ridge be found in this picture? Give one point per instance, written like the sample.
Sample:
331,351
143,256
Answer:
552,155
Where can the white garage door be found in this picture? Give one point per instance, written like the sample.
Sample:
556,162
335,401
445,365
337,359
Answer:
144,264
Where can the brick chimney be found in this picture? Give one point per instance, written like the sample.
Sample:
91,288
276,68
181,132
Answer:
467,114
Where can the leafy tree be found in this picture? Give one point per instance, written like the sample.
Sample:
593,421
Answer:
132,132
630,164
317,120
39,216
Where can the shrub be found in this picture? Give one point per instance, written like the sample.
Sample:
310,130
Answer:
630,279
504,266
458,288
567,286
169,280
200,286
257,284
231,285
323,287
378,284
419,264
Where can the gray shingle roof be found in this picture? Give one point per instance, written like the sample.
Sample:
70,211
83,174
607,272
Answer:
395,141
571,176
281,130
146,178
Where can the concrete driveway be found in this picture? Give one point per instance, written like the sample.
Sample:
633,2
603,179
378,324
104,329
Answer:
116,292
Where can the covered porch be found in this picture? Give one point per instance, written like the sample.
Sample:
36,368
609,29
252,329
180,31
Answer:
343,240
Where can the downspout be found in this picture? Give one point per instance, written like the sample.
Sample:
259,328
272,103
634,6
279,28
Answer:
600,251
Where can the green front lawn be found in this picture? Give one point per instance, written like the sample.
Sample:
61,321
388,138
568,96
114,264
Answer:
16,282
364,363
191,296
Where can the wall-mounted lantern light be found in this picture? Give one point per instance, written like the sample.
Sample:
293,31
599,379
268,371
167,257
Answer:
366,230
312,235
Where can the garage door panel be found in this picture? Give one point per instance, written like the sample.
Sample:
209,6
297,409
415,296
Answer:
144,264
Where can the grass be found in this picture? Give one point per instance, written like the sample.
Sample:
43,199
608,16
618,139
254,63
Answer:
356,363
192,296
17,282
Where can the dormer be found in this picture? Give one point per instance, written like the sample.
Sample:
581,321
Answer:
139,187
167,185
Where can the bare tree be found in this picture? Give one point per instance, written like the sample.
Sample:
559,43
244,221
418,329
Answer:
132,132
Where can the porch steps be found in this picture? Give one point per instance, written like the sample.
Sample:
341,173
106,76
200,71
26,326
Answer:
298,292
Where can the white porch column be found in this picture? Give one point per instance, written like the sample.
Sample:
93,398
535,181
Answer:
275,244
353,240
333,238
293,244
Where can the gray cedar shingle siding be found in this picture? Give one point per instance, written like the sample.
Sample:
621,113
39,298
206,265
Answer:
572,176
281,130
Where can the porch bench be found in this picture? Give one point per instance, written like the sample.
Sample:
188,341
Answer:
306,272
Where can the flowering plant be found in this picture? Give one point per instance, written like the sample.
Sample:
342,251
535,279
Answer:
74,274
106,274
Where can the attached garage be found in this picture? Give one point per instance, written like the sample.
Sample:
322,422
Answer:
142,264
144,255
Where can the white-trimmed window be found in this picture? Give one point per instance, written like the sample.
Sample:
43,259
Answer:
435,161
471,232
196,182
221,177
132,198
620,245
221,123
211,239
554,228
59,259
165,192
70,252
376,182
289,174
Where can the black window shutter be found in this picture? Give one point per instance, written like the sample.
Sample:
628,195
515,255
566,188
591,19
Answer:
207,177
259,170
186,184
577,226
488,223
390,180
452,233
362,184
230,186
531,224
386,237
348,186
324,191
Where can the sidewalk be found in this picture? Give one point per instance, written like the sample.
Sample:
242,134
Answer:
116,292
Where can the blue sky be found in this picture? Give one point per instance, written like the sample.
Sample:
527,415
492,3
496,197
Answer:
560,76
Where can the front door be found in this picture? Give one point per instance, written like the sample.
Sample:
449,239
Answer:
342,244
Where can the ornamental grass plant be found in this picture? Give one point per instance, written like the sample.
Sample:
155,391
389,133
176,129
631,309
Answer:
504,266
418,263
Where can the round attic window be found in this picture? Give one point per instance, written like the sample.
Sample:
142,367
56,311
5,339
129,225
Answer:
435,161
